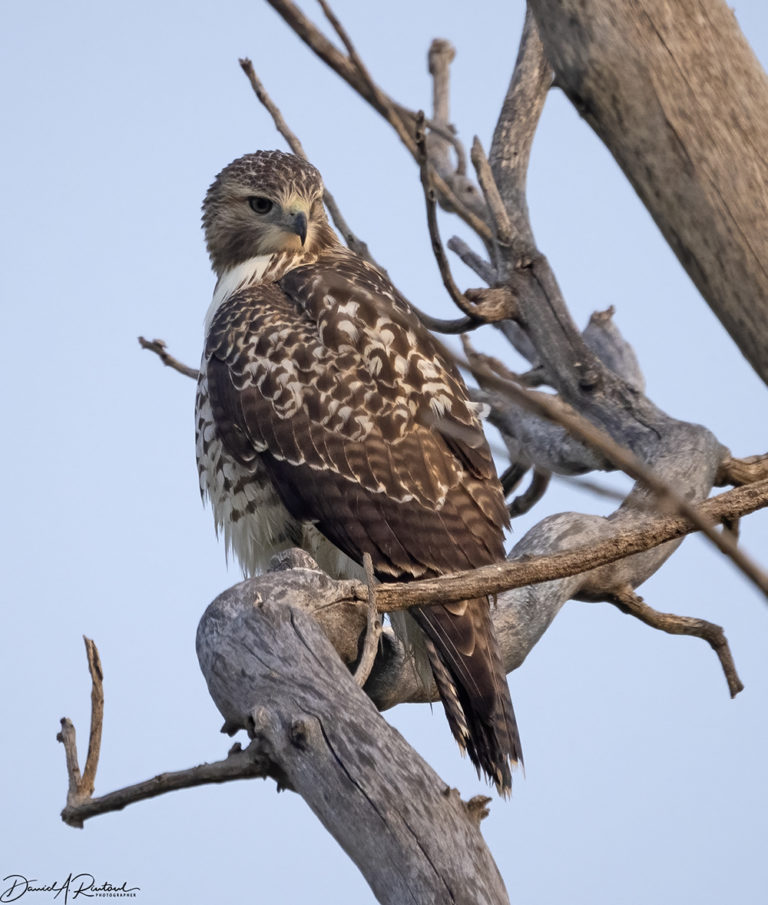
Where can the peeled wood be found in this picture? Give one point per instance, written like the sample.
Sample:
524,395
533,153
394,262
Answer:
676,94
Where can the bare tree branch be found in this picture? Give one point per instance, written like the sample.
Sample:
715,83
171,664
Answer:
247,763
577,425
484,305
742,471
513,136
482,268
503,230
272,672
535,491
380,100
679,98
158,347
372,628
395,114
647,532
97,717
80,787
633,605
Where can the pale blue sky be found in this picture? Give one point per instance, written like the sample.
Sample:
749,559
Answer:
644,782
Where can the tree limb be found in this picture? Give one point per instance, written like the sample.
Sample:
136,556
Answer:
372,627
633,605
158,347
676,94
644,534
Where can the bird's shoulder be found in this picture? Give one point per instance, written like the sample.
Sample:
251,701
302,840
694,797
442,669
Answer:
334,341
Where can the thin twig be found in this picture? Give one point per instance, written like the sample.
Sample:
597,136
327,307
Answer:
395,114
452,326
381,100
446,133
239,764
502,225
372,629
434,233
158,347
559,412
534,492
68,738
356,244
81,786
484,269
294,143
407,125
633,605
490,304
494,579
97,717
80,803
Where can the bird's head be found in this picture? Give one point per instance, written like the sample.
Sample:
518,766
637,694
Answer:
261,204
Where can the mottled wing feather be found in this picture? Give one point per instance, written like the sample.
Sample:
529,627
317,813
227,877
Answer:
367,432
364,409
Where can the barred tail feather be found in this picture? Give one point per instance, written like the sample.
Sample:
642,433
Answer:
472,684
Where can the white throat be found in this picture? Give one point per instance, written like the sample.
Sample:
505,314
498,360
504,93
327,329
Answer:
234,279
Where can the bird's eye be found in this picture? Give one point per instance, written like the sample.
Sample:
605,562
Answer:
260,205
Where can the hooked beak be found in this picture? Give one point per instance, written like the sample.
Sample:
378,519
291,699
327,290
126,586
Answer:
298,225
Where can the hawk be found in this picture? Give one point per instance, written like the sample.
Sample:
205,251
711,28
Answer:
328,417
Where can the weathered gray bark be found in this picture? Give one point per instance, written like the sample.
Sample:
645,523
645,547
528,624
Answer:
271,670
676,94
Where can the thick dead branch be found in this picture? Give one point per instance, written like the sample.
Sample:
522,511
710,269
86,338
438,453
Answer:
519,117
677,96
271,671
633,605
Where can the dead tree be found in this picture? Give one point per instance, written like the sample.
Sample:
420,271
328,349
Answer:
271,669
